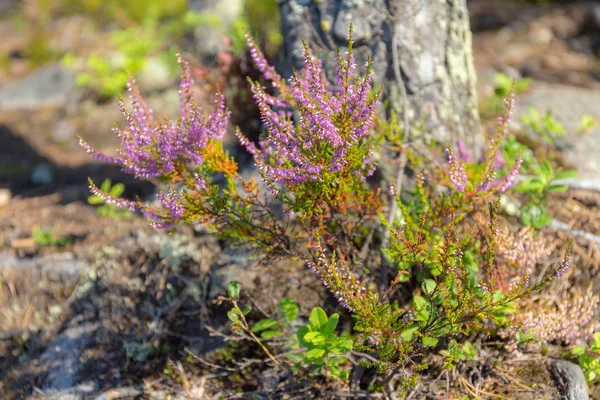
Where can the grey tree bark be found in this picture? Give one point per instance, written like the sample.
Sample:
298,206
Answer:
421,52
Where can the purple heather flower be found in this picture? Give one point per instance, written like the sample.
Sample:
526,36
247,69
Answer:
565,265
463,151
153,148
510,179
330,122
457,173
156,147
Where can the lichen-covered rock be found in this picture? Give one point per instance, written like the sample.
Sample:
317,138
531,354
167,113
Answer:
569,379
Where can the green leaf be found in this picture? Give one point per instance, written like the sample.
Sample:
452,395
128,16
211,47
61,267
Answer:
331,324
566,174
233,315
95,200
302,331
117,190
578,350
407,334
314,338
270,333
428,286
295,357
558,188
590,375
105,187
288,308
264,324
317,318
315,353
233,289
429,341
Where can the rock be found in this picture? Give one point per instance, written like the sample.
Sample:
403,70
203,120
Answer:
49,87
232,272
155,75
569,379
5,196
42,175
58,267
233,265
79,392
360,26
568,104
61,358
63,131
210,37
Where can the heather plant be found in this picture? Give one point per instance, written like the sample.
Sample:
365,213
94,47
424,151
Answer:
448,268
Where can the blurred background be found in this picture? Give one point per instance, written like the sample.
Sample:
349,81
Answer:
71,264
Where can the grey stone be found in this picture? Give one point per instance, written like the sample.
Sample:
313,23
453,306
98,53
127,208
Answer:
61,358
58,267
569,379
568,104
155,75
42,175
49,87
78,392
210,38
233,265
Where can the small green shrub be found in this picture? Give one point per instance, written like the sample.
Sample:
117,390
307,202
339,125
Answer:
106,209
544,125
589,359
43,237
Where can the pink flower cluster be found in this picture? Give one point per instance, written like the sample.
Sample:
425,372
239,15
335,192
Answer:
155,147
330,131
158,147
493,159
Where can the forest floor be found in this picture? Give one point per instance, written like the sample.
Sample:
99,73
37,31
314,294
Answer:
108,306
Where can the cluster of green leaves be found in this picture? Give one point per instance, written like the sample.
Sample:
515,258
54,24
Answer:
320,350
132,10
457,352
589,359
47,237
546,126
587,123
109,210
503,85
323,349
539,180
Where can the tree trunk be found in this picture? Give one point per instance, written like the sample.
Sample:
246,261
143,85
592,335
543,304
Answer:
421,52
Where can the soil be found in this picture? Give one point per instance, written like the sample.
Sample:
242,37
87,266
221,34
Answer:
122,311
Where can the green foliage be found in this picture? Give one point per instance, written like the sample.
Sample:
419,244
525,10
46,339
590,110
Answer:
587,123
589,359
136,11
544,125
322,348
503,85
108,74
109,210
539,180
44,237
457,352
